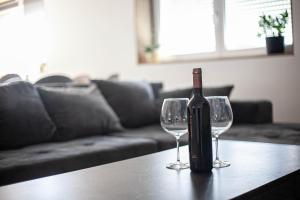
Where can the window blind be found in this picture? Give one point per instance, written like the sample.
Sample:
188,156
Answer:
241,22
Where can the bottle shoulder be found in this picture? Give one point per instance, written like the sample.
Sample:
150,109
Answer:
198,101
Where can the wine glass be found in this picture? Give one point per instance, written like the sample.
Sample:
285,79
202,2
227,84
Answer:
173,120
221,120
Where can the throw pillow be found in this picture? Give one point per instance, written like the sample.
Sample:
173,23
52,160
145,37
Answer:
79,111
218,91
187,92
133,101
9,78
23,117
156,88
54,79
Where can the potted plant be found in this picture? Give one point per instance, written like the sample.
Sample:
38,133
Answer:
151,53
273,29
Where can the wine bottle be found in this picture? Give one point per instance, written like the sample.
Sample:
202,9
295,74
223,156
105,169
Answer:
199,127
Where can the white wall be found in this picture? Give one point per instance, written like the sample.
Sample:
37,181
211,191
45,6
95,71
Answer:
97,37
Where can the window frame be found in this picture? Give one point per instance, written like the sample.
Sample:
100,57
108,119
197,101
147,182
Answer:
221,52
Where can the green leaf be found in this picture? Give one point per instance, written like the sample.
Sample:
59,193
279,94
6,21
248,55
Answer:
276,24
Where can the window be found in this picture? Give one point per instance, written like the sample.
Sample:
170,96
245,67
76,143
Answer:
23,37
241,22
191,29
10,37
185,30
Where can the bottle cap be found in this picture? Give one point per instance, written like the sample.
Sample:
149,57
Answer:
197,71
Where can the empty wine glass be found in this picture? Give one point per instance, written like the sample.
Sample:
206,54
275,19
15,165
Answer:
221,120
173,120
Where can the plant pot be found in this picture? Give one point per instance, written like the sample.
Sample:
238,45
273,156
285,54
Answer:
151,57
275,44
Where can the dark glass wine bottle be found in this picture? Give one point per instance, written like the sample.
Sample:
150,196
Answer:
199,127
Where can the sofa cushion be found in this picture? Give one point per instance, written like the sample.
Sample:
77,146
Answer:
282,133
23,117
79,111
54,158
155,132
132,101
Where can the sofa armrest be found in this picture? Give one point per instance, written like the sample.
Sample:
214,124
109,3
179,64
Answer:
252,112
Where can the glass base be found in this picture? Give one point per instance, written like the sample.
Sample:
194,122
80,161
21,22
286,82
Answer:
178,165
221,164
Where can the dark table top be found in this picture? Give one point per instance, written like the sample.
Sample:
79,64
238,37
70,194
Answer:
253,165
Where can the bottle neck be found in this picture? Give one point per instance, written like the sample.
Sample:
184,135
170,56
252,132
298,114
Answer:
197,84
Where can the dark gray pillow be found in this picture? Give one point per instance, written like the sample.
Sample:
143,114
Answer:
23,117
178,93
218,91
133,101
79,112
156,88
8,78
187,92
54,79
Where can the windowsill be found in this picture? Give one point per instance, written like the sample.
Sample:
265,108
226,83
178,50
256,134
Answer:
228,55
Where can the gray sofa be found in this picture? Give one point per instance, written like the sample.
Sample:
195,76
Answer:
59,157
253,122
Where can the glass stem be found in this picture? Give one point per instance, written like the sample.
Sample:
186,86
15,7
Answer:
177,145
217,148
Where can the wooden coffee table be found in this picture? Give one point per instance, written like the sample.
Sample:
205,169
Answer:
257,170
